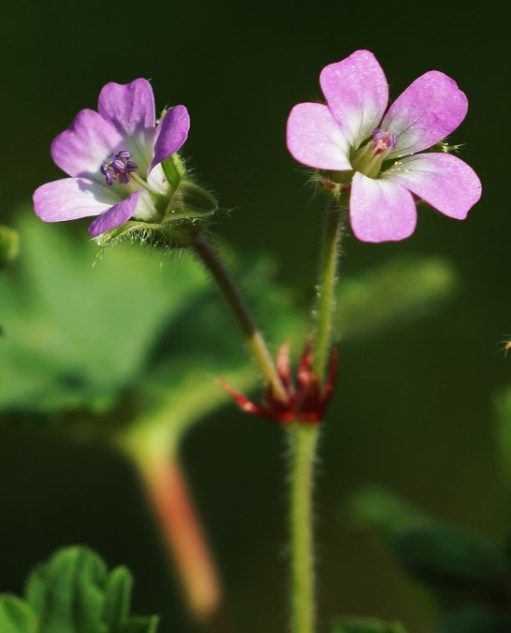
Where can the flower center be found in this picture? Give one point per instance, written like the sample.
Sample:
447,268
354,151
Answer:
368,159
118,168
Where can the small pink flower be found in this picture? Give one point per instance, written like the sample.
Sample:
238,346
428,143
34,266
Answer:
376,147
113,158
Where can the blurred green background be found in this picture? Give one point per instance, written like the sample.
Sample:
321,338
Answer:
414,409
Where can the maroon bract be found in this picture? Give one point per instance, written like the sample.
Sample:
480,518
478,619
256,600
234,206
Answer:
305,402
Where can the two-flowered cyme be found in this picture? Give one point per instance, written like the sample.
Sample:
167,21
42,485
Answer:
384,156
118,161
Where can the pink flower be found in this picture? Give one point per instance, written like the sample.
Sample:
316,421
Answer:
374,148
113,158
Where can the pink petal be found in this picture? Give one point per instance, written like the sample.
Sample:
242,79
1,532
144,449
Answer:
315,139
171,134
427,111
72,198
81,149
117,215
442,180
381,210
357,94
129,107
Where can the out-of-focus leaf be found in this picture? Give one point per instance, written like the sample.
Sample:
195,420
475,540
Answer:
366,625
458,565
475,620
138,333
503,412
397,291
16,616
78,334
74,593
9,245
380,508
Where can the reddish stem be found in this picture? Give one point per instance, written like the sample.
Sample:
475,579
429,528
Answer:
183,536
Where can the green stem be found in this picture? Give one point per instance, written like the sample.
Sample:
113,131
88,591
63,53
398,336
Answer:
303,440
325,299
211,260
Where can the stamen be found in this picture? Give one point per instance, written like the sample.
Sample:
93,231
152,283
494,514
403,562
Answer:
118,168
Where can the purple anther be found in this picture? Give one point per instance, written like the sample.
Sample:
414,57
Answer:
118,167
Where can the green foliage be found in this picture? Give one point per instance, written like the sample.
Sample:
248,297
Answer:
9,245
74,593
457,564
16,616
366,625
468,575
402,289
137,333
475,620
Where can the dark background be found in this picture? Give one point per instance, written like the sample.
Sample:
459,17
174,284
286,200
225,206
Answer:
414,408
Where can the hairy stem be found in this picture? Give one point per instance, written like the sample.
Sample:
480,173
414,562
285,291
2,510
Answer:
325,299
211,260
303,440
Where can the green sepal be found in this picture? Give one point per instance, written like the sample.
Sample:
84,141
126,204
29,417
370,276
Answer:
174,170
16,616
457,564
9,245
179,233
366,625
190,201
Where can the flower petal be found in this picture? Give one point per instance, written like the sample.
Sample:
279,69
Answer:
427,111
381,210
117,215
442,180
129,107
357,94
72,198
315,139
171,134
81,149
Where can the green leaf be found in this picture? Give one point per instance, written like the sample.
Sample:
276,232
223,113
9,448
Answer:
9,245
117,597
16,616
67,592
475,620
403,289
74,593
378,507
457,564
366,625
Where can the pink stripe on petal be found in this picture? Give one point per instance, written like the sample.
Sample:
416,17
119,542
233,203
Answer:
114,217
81,149
72,198
442,180
425,113
129,107
171,134
357,94
315,139
381,211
